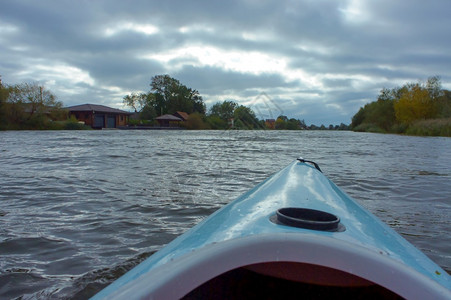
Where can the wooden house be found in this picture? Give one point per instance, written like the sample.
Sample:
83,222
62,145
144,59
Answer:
169,121
99,116
182,115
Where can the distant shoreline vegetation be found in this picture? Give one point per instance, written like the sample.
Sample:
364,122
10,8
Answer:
29,106
422,109
169,96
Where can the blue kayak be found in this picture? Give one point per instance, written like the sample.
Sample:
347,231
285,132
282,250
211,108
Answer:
294,235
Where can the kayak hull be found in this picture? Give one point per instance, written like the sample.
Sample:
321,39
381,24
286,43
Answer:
245,235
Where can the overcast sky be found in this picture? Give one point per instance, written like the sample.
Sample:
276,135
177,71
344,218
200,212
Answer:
315,60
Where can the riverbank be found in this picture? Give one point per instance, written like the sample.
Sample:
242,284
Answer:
435,127
430,127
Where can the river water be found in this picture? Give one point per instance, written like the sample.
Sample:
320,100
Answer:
80,208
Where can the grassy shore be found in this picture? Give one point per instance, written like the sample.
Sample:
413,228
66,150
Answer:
430,127
434,127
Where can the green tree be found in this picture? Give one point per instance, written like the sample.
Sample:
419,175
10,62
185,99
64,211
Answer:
358,118
434,87
164,87
283,118
4,92
382,114
198,103
444,103
215,122
343,126
148,113
172,96
238,124
221,113
399,108
142,103
281,123
385,95
303,125
196,121
136,101
247,116
30,105
225,110
293,124
379,114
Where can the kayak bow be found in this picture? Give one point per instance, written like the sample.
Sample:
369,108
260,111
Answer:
296,233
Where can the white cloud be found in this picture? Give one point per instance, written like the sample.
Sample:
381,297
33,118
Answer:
355,11
253,62
146,29
6,28
196,28
59,72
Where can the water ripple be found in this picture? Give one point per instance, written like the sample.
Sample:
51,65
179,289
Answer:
79,209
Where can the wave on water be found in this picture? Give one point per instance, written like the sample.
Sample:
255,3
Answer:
78,209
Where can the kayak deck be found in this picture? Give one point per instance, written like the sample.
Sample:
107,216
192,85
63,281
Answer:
244,240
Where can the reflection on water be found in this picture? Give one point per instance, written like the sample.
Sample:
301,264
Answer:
78,209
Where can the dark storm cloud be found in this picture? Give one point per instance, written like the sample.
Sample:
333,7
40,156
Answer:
319,60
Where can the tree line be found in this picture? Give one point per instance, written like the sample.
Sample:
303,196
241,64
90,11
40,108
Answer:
31,106
168,95
420,108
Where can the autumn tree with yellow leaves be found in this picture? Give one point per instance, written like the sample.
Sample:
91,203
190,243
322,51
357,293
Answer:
415,108
415,104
